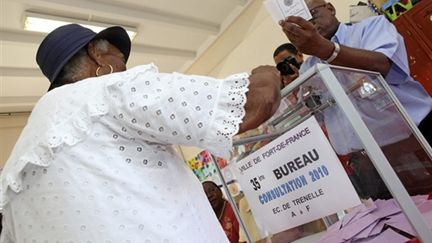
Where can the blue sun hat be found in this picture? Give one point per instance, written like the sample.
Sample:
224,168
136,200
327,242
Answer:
63,43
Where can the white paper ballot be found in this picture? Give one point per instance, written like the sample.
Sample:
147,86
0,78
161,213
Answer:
281,9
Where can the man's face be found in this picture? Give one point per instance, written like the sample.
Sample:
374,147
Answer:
280,57
323,17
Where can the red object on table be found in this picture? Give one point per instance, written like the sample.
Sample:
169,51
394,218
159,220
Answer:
415,240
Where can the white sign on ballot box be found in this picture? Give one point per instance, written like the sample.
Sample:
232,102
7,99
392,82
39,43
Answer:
295,179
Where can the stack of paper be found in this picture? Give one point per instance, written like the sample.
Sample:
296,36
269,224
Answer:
376,222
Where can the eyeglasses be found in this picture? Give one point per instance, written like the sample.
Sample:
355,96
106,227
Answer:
314,11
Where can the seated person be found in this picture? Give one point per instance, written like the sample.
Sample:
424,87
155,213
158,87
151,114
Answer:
223,211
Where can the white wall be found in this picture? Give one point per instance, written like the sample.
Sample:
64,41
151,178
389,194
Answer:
10,129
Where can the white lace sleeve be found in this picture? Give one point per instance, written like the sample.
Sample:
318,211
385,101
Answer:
179,109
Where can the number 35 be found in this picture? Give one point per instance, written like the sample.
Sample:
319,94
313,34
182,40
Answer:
256,185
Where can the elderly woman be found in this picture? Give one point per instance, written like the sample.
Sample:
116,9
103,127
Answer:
95,162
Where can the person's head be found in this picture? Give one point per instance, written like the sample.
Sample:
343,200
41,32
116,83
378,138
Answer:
323,17
284,51
287,50
214,194
72,53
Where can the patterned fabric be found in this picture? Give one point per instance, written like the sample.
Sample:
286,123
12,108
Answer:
230,224
95,162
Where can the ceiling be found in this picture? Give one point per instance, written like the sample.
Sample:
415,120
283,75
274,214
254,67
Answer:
171,33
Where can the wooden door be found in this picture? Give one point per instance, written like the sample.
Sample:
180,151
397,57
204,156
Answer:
419,53
421,18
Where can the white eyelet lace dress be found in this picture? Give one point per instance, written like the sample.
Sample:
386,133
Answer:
95,162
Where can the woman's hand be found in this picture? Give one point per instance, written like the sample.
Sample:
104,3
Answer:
263,97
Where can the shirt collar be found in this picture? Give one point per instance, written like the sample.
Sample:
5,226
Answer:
340,33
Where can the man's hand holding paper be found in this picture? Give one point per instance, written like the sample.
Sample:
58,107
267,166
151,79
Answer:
306,37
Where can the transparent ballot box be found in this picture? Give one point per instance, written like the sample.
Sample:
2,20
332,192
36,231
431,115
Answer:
340,161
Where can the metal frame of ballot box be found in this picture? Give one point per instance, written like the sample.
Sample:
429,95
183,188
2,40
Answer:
371,146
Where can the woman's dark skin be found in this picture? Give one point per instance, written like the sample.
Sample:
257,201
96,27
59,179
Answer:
214,195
